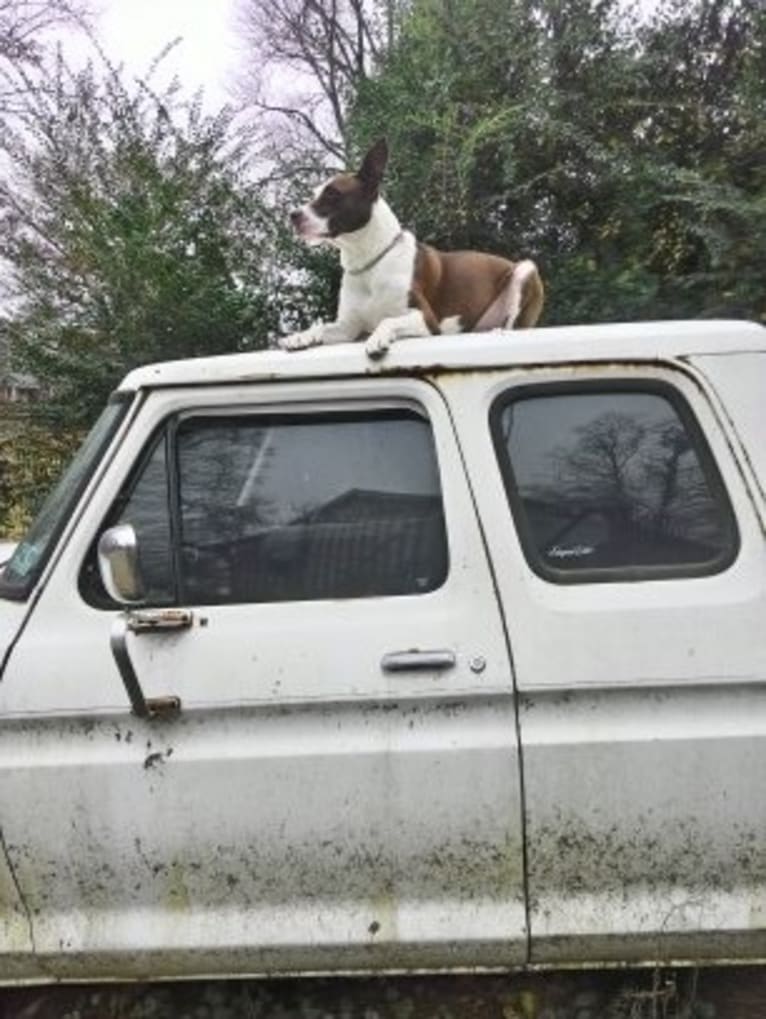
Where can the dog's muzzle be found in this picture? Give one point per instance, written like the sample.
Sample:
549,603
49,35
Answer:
308,226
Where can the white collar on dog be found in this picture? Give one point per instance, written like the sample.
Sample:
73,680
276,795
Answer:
377,258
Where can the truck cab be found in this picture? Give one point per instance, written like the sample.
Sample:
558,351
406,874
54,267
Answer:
313,664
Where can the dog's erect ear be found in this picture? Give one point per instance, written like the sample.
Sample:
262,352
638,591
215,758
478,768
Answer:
370,173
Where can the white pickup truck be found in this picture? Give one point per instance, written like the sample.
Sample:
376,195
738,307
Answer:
453,661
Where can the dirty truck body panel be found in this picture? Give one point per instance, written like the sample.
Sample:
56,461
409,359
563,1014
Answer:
469,656
641,700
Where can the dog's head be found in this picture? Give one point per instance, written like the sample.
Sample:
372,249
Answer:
345,202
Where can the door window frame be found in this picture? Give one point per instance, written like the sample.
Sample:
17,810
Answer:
164,431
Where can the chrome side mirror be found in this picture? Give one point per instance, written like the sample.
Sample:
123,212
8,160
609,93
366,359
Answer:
118,565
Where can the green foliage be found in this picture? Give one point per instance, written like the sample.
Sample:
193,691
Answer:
31,458
624,154
132,233
625,157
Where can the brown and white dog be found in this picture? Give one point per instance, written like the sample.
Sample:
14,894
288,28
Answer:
394,287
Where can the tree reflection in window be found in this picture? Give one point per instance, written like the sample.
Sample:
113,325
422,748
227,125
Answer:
613,479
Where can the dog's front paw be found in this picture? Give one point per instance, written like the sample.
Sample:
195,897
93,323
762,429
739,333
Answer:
376,346
299,341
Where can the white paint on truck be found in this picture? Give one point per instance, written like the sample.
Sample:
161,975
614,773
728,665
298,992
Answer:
474,675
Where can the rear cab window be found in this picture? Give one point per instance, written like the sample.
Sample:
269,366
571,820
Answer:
612,481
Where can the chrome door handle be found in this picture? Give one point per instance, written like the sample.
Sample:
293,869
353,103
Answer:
407,661
153,620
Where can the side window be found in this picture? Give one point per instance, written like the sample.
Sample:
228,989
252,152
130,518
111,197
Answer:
612,483
334,506
284,508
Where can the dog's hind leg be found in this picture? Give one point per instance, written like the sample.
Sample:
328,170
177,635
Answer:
525,302
519,302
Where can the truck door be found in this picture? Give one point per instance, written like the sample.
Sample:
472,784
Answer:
632,571
340,788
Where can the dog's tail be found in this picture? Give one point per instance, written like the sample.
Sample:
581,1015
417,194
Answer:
526,298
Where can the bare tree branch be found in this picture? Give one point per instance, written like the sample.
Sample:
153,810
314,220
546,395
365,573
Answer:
23,21
23,27
308,58
308,123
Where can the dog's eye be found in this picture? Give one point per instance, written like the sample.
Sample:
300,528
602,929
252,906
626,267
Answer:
331,192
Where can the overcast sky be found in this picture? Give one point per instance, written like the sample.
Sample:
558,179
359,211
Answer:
209,54
134,32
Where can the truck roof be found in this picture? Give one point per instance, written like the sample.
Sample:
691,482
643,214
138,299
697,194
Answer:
635,341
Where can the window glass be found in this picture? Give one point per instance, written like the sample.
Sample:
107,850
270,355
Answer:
341,506
145,505
605,481
25,565
148,511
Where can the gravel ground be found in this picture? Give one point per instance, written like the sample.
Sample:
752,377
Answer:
737,993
